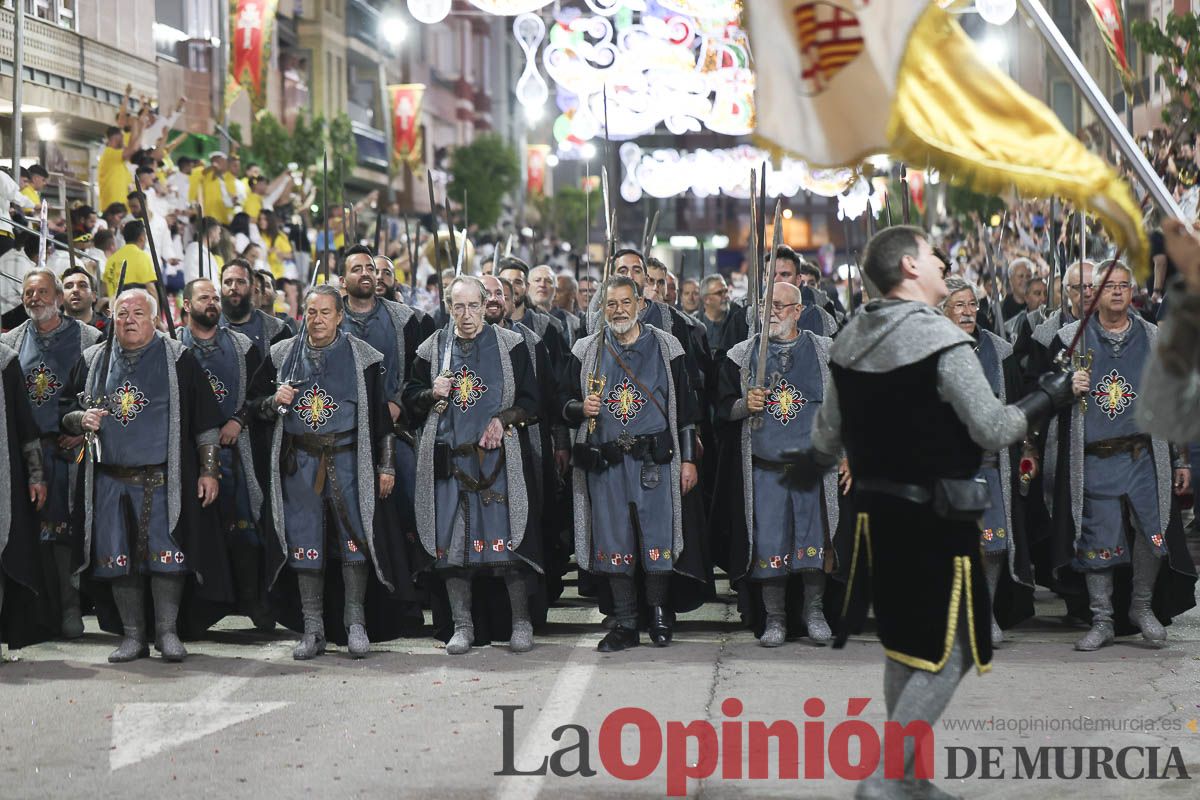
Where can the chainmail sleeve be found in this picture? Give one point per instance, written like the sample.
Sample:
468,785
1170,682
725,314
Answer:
962,384
827,428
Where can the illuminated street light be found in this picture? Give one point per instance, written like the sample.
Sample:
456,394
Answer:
393,29
588,151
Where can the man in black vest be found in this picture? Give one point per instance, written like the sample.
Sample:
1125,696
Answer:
918,508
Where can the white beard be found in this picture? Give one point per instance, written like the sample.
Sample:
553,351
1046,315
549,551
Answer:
781,330
42,314
622,328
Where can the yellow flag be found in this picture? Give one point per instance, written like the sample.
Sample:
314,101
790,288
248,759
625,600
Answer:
838,77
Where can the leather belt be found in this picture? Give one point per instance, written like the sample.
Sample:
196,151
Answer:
903,491
769,465
1135,445
325,446
150,478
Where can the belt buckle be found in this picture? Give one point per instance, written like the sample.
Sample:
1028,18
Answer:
625,441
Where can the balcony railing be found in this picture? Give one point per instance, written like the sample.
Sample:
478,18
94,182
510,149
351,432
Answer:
64,60
362,22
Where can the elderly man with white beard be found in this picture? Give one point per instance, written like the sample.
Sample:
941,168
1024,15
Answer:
786,531
147,506
1001,537
48,344
627,390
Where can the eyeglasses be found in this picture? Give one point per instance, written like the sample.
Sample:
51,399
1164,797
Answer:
1114,288
459,309
717,293
961,306
781,307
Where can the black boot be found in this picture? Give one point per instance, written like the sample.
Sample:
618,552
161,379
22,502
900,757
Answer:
618,639
68,592
660,626
251,597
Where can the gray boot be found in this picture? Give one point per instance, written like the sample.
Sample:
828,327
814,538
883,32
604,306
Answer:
355,616
1099,585
814,607
993,563
68,592
167,591
1145,572
518,598
775,631
129,596
312,605
458,588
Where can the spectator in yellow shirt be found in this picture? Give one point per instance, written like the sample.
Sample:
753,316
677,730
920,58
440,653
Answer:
37,177
114,175
214,187
279,248
139,269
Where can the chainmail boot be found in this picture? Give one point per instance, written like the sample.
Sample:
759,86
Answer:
251,598
167,591
814,607
993,563
68,592
354,576
1100,587
625,634
1145,572
129,596
775,632
518,598
910,695
312,606
458,587
661,617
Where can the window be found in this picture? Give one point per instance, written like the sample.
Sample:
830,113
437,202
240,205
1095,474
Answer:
56,12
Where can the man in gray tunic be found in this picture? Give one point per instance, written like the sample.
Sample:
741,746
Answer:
48,345
635,463
996,537
230,361
331,453
147,412
238,311
790,529
1115,482
473,384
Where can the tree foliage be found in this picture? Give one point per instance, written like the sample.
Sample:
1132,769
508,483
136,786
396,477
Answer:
277,150
563,214
1177,46
484,170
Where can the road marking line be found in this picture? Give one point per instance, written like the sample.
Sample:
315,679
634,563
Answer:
559,709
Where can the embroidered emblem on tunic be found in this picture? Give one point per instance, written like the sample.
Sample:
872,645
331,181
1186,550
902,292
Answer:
127,402
315,407
785,402
217,386
1113,394
625,401
466,388
42,384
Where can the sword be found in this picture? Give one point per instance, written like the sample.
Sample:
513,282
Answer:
651,232
768,295
904,192
91,442
324,262
43,222
62,187
755,251
293,356
462,254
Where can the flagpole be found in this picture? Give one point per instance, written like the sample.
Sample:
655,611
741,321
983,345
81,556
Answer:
1100,106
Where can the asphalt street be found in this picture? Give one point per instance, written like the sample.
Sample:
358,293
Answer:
240,718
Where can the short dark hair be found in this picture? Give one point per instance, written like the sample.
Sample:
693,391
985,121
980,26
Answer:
102,240
356,250
77,270
657,263
881,259
116,209
145,169
111,130
810,269
785,253
38,171
187,288
132,231
241,263
512,262
626,251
